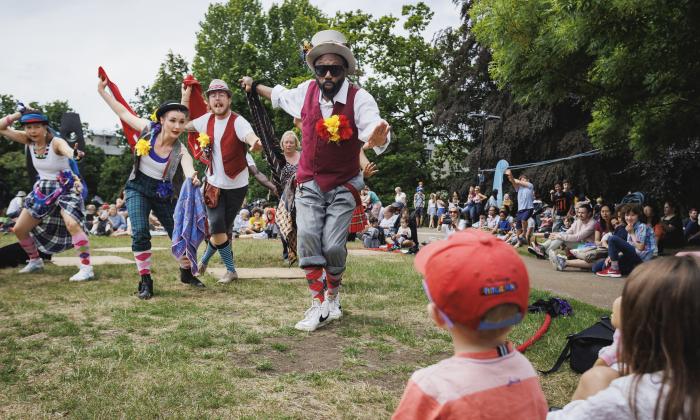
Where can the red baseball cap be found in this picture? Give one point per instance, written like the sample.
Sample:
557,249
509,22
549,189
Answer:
470,273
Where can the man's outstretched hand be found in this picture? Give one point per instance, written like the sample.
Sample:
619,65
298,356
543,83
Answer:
378,136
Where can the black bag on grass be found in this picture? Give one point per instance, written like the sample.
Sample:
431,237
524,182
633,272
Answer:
582,348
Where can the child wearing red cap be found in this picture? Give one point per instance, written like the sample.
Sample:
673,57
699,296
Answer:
478,303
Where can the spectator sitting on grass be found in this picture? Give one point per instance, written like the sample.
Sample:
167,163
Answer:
652,219
568,221
640,246
390,216
256,223
102,227
503,226
492,218
90,216
581,231
486,377
117,221
402,237
604,228
481,224
240,223
452,223
691,230
672,228
370,238
596,209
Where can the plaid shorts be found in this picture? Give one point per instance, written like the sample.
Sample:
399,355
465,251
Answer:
141,198
51,235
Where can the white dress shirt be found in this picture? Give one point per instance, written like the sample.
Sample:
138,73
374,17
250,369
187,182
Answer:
365,107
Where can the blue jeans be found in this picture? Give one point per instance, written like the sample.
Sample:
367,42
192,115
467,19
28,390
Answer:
629,256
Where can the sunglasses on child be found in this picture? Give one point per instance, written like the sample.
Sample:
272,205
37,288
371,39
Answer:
322,70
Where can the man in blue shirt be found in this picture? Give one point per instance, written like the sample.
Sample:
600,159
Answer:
526,196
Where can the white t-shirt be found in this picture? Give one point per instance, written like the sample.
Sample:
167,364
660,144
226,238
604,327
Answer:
612,403
219,177
152,168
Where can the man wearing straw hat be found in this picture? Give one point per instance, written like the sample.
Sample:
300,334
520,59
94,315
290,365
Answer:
225,134
338,119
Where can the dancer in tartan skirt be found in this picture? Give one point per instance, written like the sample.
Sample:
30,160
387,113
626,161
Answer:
158,156
53,213
337,118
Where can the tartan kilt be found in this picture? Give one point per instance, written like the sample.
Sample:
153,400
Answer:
358,221
51,235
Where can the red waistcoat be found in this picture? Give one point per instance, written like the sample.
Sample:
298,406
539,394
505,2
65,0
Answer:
328,163
232,149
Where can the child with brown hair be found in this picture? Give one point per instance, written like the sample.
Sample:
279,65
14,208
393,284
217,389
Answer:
660,351
478,303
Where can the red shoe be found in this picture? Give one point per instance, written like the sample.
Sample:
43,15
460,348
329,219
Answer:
609,272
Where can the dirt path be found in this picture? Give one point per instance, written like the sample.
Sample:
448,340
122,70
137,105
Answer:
580,285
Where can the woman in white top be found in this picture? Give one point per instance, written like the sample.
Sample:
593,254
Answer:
158,155
658,353
53,212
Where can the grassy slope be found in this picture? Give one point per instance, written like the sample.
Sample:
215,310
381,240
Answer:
95,350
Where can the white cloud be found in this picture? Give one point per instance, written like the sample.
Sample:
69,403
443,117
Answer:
52,49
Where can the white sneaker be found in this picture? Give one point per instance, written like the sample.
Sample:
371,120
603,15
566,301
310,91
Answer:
334,308
33,266
316,316
84,274
228,277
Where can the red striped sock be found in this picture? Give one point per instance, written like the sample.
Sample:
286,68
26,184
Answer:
143,262
82,245
29,247
333,281
314,278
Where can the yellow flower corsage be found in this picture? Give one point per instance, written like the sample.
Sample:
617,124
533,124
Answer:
335,128
203,140
154,118
142,147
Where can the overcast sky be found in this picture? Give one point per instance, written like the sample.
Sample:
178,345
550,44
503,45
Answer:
51,49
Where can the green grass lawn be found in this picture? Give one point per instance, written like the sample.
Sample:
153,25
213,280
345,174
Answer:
95,350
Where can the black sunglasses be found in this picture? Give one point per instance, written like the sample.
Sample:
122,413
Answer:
335,70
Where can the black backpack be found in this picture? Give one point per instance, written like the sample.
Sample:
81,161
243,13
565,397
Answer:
582,348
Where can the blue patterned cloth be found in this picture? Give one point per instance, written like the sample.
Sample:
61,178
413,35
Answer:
190,216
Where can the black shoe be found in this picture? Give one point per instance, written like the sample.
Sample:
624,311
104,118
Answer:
146,287
187,278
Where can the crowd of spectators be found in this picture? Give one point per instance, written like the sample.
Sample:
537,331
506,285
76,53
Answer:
569,229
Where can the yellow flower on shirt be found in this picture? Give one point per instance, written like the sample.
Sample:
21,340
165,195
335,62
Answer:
142,147
203,140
